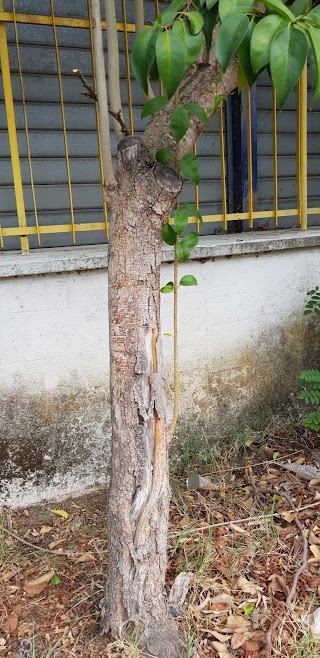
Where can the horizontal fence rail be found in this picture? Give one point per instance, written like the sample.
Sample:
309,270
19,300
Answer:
32,197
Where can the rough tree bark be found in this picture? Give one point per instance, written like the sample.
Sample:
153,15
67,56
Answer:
139,491
139,203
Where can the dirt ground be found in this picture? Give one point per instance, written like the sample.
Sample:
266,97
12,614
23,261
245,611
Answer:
243,601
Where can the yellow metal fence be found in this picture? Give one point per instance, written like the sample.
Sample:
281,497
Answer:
55,22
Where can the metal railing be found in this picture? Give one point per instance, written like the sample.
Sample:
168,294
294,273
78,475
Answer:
24,231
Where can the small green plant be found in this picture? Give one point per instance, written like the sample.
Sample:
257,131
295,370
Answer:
310,379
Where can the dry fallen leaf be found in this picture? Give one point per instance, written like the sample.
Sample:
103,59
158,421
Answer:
60,512
45,529
37,585
10,625
219,636
221,650
315,550
237,624
277,584
238,639
288,516
248,587
86,557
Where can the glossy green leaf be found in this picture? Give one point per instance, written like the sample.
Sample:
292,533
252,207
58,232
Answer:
314,38
280,8
179,123
288,54
190,207
143,51
190,168
220,99
314,14
228,7
182,251
245,60
153,105
211,3
210,19
188,280
196,21
230,35
169,287
191,240
197,111
262,36
169,14
170,54
169,235
55,580
192,42
164,154
300,7
154,73
180,221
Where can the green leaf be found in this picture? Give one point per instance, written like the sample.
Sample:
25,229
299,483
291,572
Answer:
288,53
188,280
220,99
179,123
180,221
192,42
193,210
314,14
275,455
169,235
210,18
152,106
248,608
190,168
299,7
169,287
262,36
60,512
280,8
55,580
276,497
196,21
143,55
170,54
314,38
230,35
182,251
228,7
244,57
168,15
197,111
211,3
163,155
190,240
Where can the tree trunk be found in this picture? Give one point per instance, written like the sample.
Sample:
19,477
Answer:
139,491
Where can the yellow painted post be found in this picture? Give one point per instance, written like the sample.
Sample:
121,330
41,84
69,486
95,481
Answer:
249,148
12,133
303,150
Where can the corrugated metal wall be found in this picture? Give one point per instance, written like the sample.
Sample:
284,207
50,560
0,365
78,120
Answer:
46,137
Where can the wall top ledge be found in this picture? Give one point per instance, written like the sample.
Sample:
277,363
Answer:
95,257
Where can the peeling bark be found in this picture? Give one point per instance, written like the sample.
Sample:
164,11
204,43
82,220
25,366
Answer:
139,490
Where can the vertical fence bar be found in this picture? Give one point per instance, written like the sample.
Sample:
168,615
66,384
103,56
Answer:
63,119
298,149
196,195
275,155
97,120
127,59
12,133
1,237
249,155
223,170
302,150
25,119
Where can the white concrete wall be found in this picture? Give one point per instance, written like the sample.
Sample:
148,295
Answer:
246,314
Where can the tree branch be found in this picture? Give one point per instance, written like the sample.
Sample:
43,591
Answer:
92,94
104,125
202,83
113,66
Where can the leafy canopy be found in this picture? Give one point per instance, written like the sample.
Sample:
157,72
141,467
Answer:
274,36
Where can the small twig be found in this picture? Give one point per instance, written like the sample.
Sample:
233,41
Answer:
66,632
248,519
90,93
38,548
